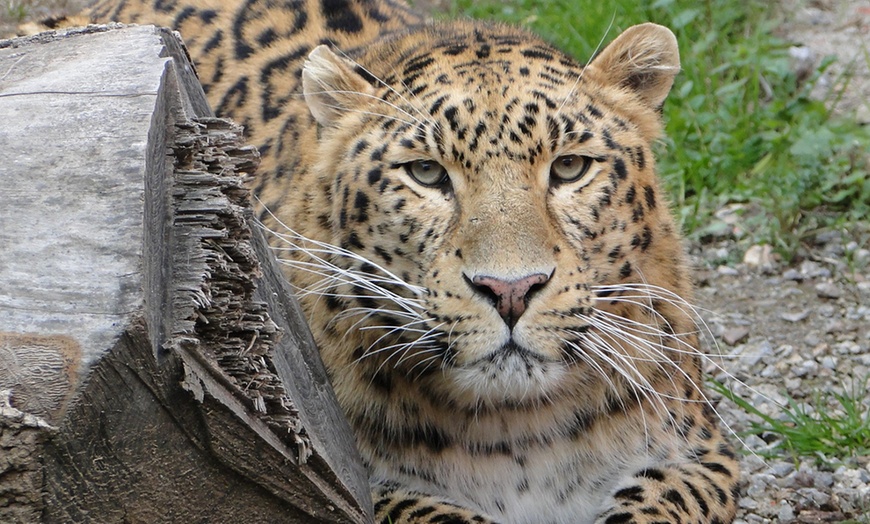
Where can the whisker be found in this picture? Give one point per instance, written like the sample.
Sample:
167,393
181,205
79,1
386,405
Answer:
386,85
586,66
414,120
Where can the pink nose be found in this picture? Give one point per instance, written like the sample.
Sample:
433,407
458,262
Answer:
509,296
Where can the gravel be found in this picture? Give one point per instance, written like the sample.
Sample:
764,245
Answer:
789,331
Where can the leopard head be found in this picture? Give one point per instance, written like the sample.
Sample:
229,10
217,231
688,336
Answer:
496,235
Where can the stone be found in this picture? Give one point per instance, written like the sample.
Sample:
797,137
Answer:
727,271
734,335
793,274
759,256
795,316
823,479
812,339
828,290
812,269
806,368
781,468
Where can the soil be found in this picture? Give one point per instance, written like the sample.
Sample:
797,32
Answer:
796,329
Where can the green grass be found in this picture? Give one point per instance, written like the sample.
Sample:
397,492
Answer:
836,428
740,126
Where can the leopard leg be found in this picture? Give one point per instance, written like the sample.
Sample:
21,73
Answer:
397,506
703,491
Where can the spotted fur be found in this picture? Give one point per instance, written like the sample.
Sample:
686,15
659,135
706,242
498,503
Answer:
483,251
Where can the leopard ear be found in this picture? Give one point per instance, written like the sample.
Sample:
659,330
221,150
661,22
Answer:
331,85
644,59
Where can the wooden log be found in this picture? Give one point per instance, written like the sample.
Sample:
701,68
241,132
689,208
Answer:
154,365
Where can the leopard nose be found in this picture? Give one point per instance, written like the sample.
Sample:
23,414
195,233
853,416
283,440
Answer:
510,297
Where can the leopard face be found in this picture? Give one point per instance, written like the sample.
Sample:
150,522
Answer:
510,195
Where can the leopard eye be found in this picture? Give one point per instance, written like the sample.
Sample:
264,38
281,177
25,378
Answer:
427,172
569,168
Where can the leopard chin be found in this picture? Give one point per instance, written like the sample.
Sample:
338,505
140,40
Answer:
511,375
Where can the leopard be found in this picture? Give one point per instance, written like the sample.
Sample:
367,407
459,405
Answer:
483,250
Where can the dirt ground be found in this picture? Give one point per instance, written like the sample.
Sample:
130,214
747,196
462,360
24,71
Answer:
840,28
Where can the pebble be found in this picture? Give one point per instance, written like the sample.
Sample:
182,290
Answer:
781,468
770,372
793,274
793,384
733,336
810,269
826,310
828,290
795,317
727,271
823,479
806,368
812,339
759,256
817,497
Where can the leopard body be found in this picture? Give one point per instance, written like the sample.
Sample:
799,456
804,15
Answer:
483,251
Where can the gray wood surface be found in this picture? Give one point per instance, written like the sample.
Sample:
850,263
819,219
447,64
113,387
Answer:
153,363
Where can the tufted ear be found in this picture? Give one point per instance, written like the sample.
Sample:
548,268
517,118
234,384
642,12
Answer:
331,85
645,59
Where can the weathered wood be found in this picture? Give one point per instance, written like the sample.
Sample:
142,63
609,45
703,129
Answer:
153,358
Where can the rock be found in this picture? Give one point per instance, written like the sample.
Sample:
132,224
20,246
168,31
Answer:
806,368
793,274
795,317
826,310
753,463
785,512
782,468
785,350
834,327
759,256
758,484
828,290
811,269
817,497
823,479
747,503
804,478
733,336
770,372
828,237
812,339
727,271
793,384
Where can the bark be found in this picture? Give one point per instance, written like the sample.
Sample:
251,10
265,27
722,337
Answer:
154,365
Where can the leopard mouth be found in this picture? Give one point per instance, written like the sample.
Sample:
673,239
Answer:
514,353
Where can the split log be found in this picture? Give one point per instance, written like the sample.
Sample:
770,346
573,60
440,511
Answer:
154,365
